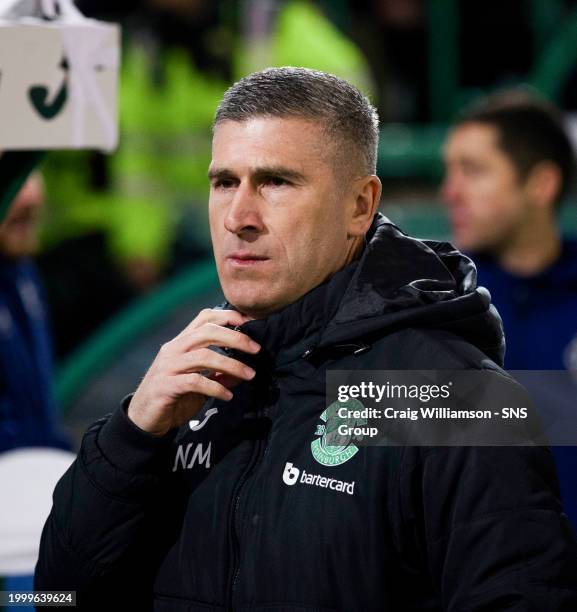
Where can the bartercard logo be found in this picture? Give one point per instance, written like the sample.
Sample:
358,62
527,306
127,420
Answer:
290,474
293,475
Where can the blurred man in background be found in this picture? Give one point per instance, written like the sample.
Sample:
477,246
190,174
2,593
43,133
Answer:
509,165
26,397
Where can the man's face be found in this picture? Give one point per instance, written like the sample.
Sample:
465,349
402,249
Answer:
278,217
19,228
485,197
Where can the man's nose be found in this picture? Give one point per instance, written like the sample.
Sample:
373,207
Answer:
450,190
243,215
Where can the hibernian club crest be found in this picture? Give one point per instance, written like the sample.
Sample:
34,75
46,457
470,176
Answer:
330,448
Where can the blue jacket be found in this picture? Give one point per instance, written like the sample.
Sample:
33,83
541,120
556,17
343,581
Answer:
26,397
540,320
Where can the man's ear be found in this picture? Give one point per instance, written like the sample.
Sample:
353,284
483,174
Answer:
366,199
543,185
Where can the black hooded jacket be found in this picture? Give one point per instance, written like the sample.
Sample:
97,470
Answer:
212,517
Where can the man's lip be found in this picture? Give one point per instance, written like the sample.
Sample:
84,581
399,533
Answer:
246,257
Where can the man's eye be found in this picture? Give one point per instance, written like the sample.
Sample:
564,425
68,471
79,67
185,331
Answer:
472,169
275,181
223,184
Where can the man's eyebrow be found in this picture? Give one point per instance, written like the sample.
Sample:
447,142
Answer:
259,173
282,171
219,173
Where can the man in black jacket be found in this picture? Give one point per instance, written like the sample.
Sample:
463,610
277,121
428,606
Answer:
214,488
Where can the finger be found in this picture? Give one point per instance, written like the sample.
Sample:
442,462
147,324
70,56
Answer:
207,359
226,380
197,383
215,335
232,318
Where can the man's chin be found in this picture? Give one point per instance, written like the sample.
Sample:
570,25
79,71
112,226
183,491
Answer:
465,242
252,310
473,246
256,306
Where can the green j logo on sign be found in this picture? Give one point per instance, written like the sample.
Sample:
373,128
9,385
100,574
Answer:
39,96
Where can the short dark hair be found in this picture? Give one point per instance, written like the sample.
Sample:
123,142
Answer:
530,131
308,94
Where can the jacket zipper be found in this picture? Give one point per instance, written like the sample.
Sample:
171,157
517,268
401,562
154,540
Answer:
257,454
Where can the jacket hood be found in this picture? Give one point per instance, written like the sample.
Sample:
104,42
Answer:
398,282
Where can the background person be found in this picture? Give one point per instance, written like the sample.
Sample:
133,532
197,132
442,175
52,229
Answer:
28,414
509,164
27,409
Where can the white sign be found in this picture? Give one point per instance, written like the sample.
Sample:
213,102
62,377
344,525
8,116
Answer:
58,79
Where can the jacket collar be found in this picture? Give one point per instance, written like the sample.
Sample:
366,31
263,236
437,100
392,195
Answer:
399,281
